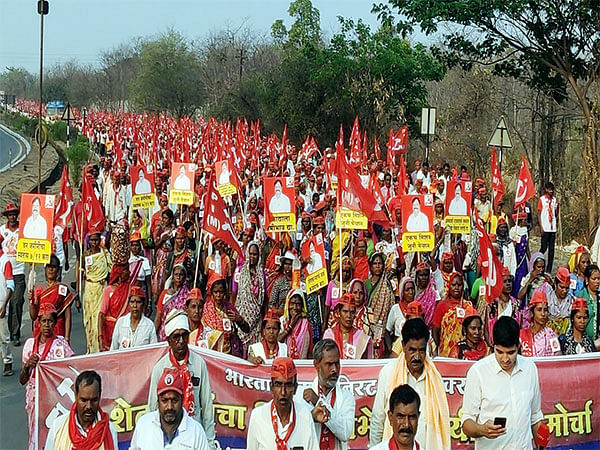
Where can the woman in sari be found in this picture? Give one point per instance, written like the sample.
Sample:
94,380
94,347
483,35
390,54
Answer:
560,301
359,291
97,267
221,320
43,346
361,260
504,305
591,293
250,295
172,298
334,293
449,314
473,346
534,279
426,293
539,339
397,315
181,255
163,248
520,238
115,301
296,329
282,284
352,342
578,261
381,300
56,293
269,347
575,341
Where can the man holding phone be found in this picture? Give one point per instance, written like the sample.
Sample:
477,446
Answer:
502,401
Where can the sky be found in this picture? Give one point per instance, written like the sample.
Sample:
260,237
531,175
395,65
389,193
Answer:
82,29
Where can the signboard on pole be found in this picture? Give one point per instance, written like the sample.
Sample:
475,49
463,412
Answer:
36,218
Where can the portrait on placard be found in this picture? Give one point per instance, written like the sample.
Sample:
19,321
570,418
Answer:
313,250
279,195
36,216
458,198
142,180
417,213
182,176
223,173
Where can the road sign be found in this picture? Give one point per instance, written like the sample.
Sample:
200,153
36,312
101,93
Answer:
428,121
500,137
67,114
41,137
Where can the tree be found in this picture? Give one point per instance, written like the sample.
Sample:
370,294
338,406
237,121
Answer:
306,29
169,77
554,45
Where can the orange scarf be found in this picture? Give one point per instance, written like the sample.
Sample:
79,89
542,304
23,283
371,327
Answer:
188,394
96,436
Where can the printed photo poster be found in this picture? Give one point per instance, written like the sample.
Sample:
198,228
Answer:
142,186
224,176
458,206
181,189
315,271
280,204
417,223
36,219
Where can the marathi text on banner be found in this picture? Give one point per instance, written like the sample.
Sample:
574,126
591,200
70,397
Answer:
417,242
351,220
143,201
316,280
458,224
181,197
282,223
226,190
35,251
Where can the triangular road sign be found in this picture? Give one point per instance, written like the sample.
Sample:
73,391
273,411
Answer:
67,113
500,137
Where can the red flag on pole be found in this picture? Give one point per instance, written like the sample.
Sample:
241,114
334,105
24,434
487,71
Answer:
491,266
63,211
497,184
216,218
525,186
93,217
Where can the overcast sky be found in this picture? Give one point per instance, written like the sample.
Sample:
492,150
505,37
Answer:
81,29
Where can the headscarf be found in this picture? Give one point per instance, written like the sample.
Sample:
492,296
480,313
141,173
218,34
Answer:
403,282
534,258
575,257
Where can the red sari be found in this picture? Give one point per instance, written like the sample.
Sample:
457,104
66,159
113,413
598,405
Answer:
58,294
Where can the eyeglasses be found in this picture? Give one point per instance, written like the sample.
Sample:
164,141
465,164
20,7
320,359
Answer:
179,337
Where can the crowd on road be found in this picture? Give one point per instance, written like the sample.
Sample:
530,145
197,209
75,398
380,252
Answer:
158,273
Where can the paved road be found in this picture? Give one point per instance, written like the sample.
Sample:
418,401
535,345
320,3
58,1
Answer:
11,149
13,420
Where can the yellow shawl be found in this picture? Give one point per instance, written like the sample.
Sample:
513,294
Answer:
437,413
100,266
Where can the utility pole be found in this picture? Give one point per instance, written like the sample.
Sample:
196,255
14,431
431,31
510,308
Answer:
42,8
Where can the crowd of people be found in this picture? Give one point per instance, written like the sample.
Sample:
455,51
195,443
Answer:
152,274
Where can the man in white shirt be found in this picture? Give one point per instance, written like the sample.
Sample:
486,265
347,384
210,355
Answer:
182,182
169,427
417,221
283,422
458,205
134,329
145,272
502,401
316,262
86,424
279,203
142,186
325,393
404,419
548,209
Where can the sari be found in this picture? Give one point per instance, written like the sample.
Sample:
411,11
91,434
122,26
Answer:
159,270
250,299
520,238
461,350
168,302
543,343
97,267
361,343
427,298
299,340
361,321
56,347
58,295
381,300
493,313
219,339
593,325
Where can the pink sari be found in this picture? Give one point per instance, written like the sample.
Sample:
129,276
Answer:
299,341
427,300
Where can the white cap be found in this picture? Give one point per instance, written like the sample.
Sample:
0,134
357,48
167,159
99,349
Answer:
177,319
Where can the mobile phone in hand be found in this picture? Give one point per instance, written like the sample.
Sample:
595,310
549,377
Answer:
500,421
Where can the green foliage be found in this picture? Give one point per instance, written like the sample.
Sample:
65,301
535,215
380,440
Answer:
169,77
58,131
77,156
305,30
20,123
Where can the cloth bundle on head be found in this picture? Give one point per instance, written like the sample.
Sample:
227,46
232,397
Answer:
136,291
177,319
170,380
283,368
575,257
46,308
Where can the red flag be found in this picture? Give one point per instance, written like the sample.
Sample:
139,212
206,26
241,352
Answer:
355,144
525,186
402,178
497,184
63,210
93,217
491,266
216,218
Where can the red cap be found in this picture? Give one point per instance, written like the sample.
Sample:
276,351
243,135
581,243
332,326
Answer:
94,230
195,294
414,308
319,221
284,368
135,236
563,275
538,298
501,221
579,303
447,255
180,231
542,436
470,311
10,208
170,380
505,271
422,266
306,215
347,299
319,206
271,316
137,291
46,308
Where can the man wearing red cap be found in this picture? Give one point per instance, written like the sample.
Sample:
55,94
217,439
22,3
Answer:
197,396
502,405
86,426
134,329
170,426
283,423
9,237
326,395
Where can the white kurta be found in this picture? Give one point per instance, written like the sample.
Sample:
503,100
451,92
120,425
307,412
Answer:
341,415
259,351
148,434
58,423
262,436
